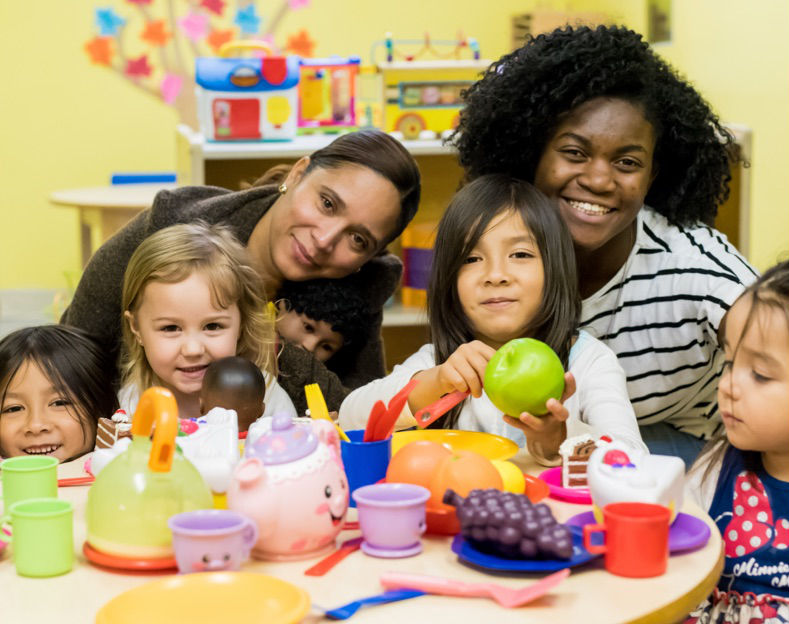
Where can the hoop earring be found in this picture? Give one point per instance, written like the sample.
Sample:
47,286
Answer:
282,188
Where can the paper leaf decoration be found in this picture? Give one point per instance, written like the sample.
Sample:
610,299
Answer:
301,43
156,33
108,21
100,50
136,68
215,6
218,38
171,87
194,25
247,20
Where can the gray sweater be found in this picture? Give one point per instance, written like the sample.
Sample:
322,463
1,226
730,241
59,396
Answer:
96,306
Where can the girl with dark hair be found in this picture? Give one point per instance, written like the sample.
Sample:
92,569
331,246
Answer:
503,268
330,214
54,386
637,164
742,477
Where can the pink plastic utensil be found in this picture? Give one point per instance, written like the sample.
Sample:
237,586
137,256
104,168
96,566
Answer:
436,410
386,423
327,563
505,596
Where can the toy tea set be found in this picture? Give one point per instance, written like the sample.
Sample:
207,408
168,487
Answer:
151,507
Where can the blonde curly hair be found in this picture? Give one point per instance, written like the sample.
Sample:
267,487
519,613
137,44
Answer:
174,253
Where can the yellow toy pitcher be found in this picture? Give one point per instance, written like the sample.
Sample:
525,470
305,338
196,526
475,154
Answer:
135,494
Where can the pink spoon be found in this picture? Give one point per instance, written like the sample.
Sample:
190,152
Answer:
505,596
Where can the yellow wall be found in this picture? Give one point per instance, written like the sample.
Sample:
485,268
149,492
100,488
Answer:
66,123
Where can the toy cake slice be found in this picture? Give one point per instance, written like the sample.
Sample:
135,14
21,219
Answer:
110,430
575,453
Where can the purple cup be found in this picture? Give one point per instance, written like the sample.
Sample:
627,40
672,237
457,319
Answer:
209,540
392,518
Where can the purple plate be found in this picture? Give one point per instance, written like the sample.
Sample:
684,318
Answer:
467,553
553,477
686,532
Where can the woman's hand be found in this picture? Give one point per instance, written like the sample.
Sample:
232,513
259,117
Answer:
546,433
464,370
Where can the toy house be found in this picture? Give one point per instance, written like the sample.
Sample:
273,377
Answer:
247,99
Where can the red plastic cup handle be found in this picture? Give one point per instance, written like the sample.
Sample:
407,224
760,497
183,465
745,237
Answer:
589,530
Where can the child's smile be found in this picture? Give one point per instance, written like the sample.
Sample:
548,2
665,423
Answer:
500,283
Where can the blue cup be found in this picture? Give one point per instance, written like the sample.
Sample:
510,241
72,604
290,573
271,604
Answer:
365,462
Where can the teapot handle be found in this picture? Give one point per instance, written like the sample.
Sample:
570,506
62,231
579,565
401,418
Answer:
157,404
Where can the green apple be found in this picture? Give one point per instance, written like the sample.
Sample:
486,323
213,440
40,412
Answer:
522,375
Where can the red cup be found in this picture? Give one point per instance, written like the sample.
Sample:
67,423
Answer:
635,539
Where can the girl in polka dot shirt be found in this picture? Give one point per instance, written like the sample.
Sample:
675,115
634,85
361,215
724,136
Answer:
743,479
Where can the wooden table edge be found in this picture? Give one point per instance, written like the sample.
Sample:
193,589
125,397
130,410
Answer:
680,608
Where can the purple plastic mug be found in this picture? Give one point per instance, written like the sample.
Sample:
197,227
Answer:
392,518
208,540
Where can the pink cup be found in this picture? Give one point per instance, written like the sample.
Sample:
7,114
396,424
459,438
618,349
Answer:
392,518
209,540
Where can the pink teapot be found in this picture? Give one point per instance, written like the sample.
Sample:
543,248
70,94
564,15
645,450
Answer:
292,484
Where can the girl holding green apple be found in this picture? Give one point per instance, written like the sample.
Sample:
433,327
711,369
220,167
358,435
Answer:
504,268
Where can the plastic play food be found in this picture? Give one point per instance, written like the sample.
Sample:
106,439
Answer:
462,472
416,462
487,444
208,598
616,473
511,476
134,495
293,485
522,375
510,525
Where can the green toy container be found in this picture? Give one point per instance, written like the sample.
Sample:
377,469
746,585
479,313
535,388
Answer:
135,494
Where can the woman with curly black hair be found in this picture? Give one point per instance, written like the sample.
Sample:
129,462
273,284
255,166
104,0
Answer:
637,164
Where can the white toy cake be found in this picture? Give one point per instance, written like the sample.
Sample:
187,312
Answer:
575,454
618,474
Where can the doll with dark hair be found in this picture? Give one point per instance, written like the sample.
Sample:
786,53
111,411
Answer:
234,383
636,163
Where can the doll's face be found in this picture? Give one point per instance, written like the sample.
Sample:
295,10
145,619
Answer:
316,337
36,419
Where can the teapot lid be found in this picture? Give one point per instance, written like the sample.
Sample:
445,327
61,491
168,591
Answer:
287,441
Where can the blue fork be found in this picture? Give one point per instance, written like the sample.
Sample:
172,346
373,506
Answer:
347,610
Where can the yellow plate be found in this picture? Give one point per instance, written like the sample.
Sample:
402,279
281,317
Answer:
208,598
487,444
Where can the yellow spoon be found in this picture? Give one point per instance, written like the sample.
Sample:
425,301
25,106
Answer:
318,409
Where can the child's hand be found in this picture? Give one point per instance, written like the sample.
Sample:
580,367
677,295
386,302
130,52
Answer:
464,370
548,430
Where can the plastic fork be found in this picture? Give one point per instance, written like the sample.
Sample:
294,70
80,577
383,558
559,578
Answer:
436,410
376,413
386,424
347,610
318,409
328,562
505,596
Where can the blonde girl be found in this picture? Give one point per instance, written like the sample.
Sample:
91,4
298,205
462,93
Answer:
191,296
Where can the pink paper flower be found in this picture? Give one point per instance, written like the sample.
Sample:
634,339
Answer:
171,87
194,25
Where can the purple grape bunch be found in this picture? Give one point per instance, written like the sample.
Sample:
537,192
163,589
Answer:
510,525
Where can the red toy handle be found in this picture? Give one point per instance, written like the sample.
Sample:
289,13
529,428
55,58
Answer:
589,530
436,410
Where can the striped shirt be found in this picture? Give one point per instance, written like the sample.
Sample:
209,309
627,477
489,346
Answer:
660,315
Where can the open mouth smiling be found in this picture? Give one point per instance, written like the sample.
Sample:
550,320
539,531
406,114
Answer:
588,208
335,520
42,449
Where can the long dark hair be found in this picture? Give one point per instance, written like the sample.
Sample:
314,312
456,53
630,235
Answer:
375,150
770,291
463,224
76,365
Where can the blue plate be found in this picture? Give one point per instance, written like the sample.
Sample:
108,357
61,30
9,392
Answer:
467,553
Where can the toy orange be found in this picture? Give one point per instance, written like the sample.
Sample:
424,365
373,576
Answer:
416,462
462,471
